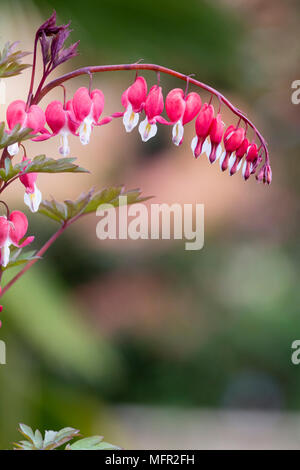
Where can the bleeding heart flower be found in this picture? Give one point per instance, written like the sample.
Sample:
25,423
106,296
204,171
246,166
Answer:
202,126
216,133
88,108
233,138
235,160
133,100
181,109
12,230
251,157
32,196
62,121
16,113
153,107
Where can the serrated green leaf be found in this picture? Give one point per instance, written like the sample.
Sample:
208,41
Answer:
15,135
43,164
40,164
88,203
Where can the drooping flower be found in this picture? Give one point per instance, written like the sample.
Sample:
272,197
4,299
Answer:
153,107
16,113
233,138
12,230
216,134
62,122
181,109
202,126
133,100
32,195
251,157
88,108
235,160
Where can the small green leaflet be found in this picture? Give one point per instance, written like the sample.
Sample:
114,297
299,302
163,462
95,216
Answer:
92,443
18,257
40,164
10,62
15,135
88,203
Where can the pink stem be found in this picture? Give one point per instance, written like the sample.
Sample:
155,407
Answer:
38,254
156,68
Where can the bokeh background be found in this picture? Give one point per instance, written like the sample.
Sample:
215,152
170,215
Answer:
144,342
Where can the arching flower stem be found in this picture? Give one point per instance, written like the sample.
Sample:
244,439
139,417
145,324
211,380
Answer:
42,91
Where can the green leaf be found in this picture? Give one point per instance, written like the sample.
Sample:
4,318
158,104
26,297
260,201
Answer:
92,443
10,61
88,203
40,164
26,431
17,258
38,440
15,135
24,445
56,439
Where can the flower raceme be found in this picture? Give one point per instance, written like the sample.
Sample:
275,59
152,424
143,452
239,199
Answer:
12,230
33,118
79,115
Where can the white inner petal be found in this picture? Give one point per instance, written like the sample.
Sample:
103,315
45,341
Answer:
208,149
130,119
218,151
205,146
13,149
33,200
85,130
222,158
194,144
177,132
239,165
5,252
231,162
147,130
244,169
64,149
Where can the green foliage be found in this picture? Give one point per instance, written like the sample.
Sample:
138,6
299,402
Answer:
55,439
92,443
17,258
15,135
40,164
88,203
10,61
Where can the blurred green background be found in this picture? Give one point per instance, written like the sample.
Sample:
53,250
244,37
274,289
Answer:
97,326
